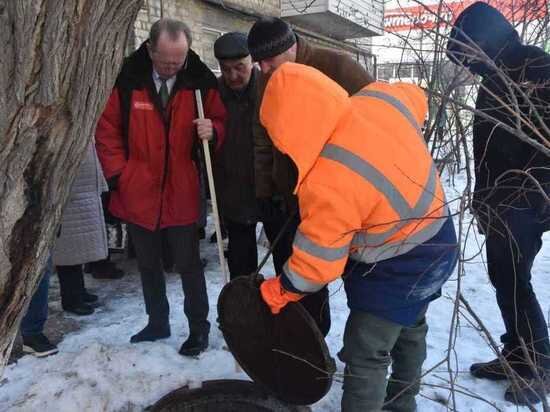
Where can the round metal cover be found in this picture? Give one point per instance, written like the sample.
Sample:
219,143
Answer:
225,395
284,353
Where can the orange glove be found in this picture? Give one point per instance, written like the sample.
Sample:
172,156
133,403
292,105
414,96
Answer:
276,296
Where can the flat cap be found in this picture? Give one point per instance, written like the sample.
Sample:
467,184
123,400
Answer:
232,45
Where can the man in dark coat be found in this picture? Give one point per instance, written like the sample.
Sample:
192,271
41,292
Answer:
234,165
510,175
146,138
272,42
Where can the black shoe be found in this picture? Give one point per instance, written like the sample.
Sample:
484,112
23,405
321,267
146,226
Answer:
89,297
495,371
151,333
195,344
529,392
80,309
103,269
39,346
204,262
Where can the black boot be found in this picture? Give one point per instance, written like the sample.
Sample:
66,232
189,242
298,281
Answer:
79,309
495,371
72,289
38,345
89,297
152,332
195,344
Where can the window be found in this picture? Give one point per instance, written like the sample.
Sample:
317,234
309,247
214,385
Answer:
405,71
209,36
385,71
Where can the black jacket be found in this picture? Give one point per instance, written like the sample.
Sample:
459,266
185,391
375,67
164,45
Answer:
234,165
525,88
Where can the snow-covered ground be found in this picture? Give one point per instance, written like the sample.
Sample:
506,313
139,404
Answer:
97,369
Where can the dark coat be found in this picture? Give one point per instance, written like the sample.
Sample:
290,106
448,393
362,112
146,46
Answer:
234,165
149,150
275,172
496,150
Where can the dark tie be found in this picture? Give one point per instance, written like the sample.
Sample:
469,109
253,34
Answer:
163,92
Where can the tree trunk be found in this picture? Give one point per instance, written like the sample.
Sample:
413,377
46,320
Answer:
59,62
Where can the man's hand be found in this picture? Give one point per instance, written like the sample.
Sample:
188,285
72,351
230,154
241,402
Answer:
205,128
276,296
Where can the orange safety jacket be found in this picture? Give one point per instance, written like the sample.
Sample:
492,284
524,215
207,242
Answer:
367,185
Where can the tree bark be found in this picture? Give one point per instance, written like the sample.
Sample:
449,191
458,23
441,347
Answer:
59,62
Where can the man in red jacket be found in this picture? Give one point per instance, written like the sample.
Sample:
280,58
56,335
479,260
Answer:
146,139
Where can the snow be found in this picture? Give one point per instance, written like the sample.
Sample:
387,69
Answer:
97,369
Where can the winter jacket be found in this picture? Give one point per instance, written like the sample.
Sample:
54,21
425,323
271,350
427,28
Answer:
496,150
82,236
234,165
275,173
359,193
148,151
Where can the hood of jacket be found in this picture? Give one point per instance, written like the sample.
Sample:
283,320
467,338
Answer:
137,68
482,32
300,110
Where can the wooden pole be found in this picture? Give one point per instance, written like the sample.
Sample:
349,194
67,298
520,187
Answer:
208,162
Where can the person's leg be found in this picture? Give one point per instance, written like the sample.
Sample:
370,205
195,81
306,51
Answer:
510,260
408,355
148,247
242,256
284,227
318,306
32,324
37,312
368,341
71,286
185,248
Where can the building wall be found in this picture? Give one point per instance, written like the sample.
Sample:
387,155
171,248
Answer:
208,21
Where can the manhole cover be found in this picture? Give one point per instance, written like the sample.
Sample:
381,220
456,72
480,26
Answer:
286,354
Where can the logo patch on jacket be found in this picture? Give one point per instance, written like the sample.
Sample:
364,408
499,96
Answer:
143,106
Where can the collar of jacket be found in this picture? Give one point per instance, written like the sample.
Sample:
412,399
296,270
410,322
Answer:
304,51
137,68
248,93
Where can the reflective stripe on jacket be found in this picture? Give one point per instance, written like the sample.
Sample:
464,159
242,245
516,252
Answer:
367,185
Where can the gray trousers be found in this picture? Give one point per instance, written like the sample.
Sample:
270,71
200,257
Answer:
371,345
183,242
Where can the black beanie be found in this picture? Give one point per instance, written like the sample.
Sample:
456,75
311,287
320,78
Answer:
269,37
231,46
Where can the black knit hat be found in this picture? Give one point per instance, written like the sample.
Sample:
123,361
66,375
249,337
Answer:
269,37
231,46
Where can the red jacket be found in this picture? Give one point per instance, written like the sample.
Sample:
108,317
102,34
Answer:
151,153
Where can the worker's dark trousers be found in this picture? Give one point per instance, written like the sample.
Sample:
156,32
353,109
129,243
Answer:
371,345
317,304
242,253
184,244
513,242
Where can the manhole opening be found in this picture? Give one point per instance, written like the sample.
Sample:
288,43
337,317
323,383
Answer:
223,396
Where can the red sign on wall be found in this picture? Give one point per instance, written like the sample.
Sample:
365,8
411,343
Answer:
444,13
